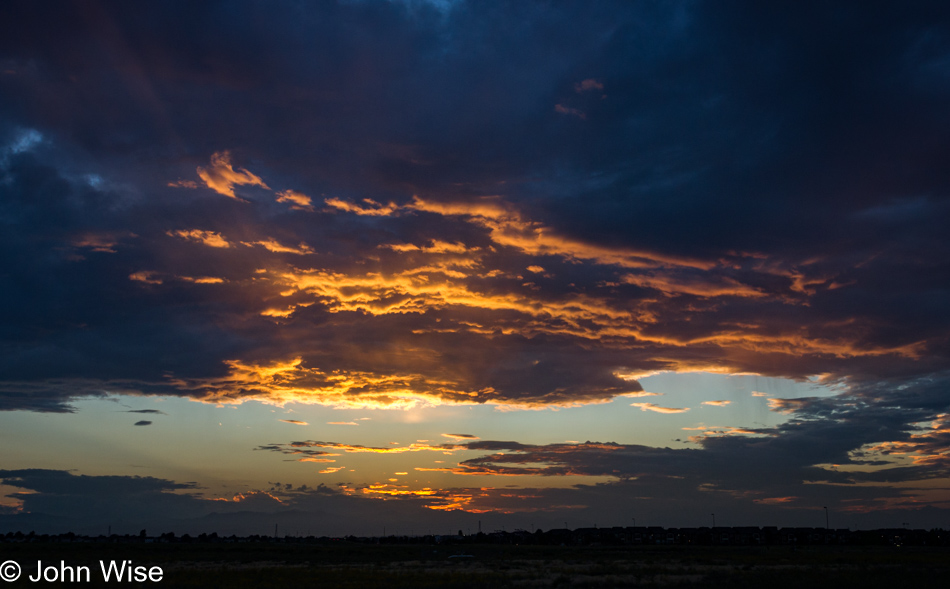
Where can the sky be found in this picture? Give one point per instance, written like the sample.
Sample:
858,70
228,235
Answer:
410,266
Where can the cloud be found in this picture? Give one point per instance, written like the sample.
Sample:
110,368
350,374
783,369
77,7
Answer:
457,293
149,411
588,84
306,447
370,207
145,276
143,422
820,464
717,403
460,436
26,140
272,245
208,238
103,243
342,423
221,177
293,422
202,279
56,482
300,201
567,110
657,409
183,184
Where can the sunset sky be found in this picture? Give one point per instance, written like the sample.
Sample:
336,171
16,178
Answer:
418,264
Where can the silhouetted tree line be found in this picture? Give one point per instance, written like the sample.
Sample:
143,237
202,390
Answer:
616,536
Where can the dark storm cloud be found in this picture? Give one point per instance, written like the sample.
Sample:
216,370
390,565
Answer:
86,501
58,501
142,422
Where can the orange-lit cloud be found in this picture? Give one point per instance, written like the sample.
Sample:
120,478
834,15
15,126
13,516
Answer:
202,279
469,280
208,238
370,207
714,431
273,312
146,276
250,496
294,421
508,227
100,242
298,199
307,448
703,286
272,245
289,381
928,446
717,403
453,288
221,177
657,409
788,405
640,394
436,247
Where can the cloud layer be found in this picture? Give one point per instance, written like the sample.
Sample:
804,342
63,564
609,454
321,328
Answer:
398,204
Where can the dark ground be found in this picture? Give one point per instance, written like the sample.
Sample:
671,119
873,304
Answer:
347,565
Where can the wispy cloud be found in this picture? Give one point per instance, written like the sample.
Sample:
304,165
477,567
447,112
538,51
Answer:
272,245
658,409
569,110
460,436
208,238
298,199
221,177
588,84
369,207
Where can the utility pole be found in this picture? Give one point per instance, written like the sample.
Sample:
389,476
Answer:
826,516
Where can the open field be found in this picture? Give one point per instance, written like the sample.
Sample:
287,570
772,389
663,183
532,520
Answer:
346,565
